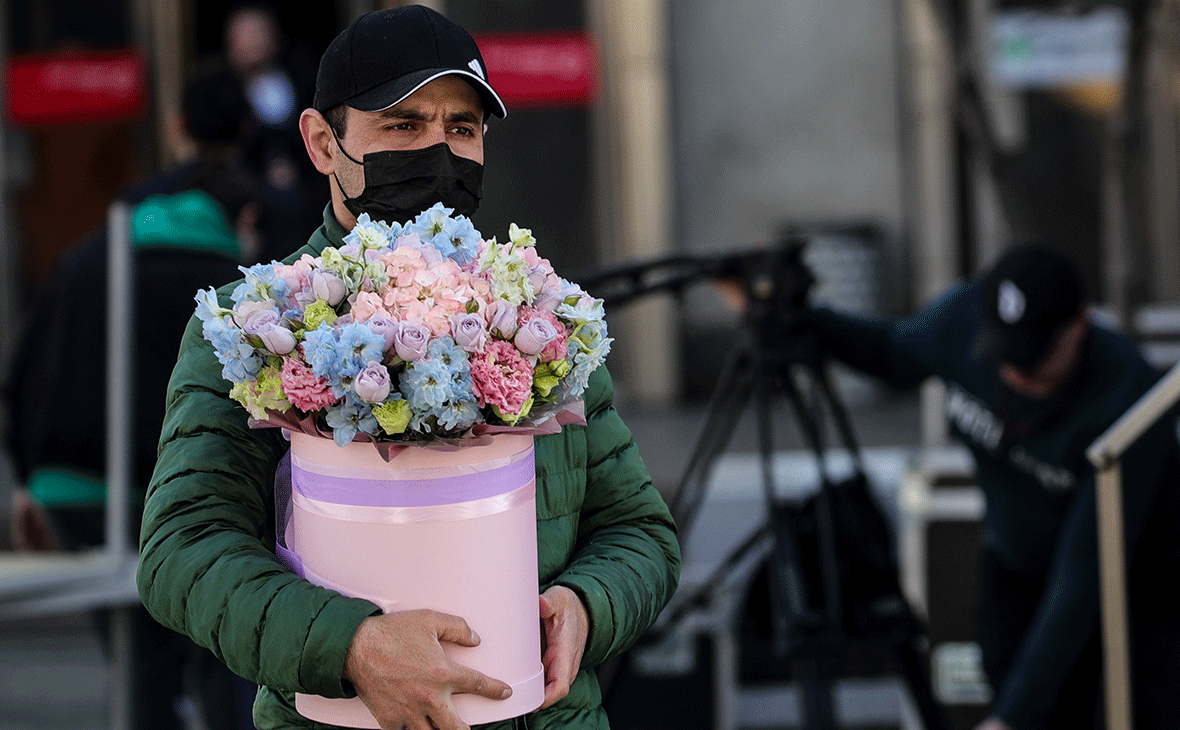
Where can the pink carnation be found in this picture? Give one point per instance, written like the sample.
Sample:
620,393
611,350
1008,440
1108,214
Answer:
501,377
307,391
555,350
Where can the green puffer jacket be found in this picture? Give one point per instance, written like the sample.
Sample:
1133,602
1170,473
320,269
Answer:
208,567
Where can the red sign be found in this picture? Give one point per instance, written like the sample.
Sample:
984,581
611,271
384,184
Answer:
67,88
541,69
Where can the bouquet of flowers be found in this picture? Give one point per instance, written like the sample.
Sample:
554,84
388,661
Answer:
415,332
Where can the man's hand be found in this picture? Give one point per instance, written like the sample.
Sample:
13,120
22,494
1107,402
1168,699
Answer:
30,529
993,723
397,665
567,624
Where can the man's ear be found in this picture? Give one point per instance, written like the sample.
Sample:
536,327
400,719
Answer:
319,140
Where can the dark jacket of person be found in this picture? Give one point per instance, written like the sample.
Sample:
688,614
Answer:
1041,516
57,386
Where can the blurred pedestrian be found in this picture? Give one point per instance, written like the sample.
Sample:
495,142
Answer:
279,83
1032,381
191,227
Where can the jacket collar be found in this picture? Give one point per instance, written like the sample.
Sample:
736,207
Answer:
331,233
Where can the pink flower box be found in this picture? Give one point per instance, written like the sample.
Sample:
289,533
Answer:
449,530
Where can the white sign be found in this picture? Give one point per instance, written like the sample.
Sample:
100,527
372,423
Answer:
1033,49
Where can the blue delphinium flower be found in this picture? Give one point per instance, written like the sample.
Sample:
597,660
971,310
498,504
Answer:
431,222
459,242
589,348
451,355
207,305
321,348
260,283
348,418
236,355
427,385
457,414
370,234
359,345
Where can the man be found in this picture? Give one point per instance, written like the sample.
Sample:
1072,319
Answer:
190,227
397,125
1032,381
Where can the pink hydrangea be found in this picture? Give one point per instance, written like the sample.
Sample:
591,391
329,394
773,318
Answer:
307,391
502,377
365,305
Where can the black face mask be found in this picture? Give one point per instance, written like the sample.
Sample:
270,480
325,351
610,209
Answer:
400,184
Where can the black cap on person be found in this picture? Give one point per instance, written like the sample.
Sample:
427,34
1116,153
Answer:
387,55
1028,296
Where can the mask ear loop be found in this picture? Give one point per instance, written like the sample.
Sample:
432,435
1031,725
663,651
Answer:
344,152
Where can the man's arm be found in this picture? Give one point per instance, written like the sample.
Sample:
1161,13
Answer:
1067,617
207,565
905,352
626,563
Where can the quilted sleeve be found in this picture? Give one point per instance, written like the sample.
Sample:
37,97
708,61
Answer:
207,564
627,561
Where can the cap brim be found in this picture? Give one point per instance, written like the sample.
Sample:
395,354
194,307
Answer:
394,92
998,345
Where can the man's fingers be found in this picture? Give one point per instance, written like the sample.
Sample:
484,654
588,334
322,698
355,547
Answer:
469,681
454,630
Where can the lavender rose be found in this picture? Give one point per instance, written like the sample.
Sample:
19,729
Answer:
469,331
372,383
328,286
278,339
501,318
384,326
411,341
254,317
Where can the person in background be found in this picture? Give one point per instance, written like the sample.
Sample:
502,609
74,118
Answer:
1032,381
190,227
397,124
279,83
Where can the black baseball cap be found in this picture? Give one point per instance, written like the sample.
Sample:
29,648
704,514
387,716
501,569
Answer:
1030,293
385,56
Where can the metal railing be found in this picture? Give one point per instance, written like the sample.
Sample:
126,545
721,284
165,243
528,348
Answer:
1106,454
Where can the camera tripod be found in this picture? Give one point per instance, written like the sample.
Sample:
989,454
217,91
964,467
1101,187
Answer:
832,574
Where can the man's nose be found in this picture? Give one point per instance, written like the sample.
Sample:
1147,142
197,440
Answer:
435,134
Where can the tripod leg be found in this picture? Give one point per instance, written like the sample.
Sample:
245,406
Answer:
726,404
793,611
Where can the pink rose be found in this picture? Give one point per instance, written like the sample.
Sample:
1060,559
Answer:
278,339
501,317
411,341
372,383
328,286
535,335
469,331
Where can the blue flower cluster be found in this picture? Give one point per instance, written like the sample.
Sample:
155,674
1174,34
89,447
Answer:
339,355
439,389
455,237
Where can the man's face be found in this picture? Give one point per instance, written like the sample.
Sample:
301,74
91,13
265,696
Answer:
447,109
1044,378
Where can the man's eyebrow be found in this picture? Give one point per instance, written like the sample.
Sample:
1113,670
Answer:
403,113
411,114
